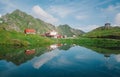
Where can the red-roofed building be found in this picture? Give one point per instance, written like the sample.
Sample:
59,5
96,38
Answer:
30,31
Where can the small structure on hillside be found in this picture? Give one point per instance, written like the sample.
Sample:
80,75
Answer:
107,25
30,31
52,34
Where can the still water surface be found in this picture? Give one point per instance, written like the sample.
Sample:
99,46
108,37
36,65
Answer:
65,61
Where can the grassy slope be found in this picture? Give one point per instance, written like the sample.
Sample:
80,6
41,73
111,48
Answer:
20,39
94,42
19,21
113,32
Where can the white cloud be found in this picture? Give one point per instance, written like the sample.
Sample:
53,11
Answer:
117,57
103,2
81,17
8,5
117,19
112,8
45,58
0,15
88,28
42,14
61,11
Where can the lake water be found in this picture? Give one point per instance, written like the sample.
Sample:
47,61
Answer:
58,61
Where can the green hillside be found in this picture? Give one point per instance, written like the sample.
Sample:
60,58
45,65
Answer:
20,39
104,32
19,21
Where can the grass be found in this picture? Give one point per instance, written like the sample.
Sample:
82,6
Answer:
107,33
21,39
93,42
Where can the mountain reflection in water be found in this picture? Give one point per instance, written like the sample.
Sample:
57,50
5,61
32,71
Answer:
59,60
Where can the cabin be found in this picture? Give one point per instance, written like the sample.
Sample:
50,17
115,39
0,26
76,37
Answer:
30,31
59,36
51,34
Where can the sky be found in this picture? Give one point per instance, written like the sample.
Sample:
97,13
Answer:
81,14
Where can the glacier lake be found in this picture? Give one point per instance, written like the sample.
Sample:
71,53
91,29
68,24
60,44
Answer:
58,61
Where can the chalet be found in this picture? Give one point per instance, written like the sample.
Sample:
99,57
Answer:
51,34
30,31
59,36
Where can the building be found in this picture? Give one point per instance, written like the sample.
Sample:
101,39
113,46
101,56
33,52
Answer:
30,31
107,25
53,33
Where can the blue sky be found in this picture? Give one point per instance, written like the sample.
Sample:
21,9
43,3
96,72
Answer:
82,14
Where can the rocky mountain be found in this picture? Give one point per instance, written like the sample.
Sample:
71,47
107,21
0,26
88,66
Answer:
67,30
19,21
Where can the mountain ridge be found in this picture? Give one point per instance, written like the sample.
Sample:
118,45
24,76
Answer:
19,21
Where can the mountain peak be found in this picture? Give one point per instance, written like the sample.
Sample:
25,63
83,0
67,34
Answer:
19,21
18,12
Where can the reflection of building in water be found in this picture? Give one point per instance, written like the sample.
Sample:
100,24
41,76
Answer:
107,59
29,52
107,55
54,46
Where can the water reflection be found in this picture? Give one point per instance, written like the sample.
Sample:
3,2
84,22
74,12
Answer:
30,52
20,55
117,57
59,60
45,58
54,46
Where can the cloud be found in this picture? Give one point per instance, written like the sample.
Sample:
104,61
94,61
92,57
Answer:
42,14
81,17
0,15
8,5
117,19
103,2
117,57
61,11
45,58
112,8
